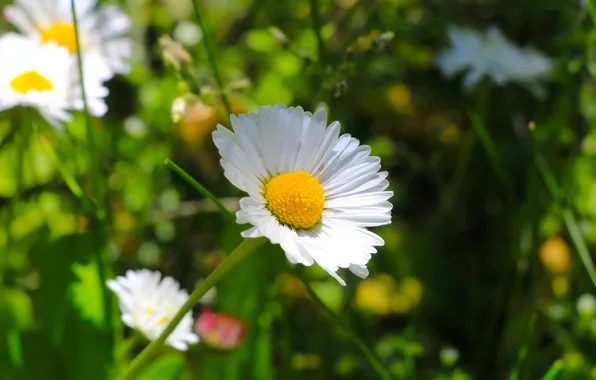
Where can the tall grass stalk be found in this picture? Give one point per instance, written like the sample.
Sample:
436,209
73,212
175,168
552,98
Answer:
103,258
210,50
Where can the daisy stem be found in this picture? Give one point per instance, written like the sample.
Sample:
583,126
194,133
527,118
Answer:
568,218
100,214
240,253
211,56
373,360
102,258
200,188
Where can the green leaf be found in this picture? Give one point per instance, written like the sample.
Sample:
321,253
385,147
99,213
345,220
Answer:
170,367
76,332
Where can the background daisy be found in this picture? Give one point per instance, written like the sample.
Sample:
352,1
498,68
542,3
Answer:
148,303
102,31
310,190
494,56
45,77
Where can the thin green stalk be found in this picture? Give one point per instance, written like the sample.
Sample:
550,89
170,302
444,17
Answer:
240,253
373,360
568,218
211,56
200,188
317,25
523,352
554,370
100,214
89,127
492,154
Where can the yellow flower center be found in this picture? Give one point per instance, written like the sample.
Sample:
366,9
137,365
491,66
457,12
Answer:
296,199
62,34
30,81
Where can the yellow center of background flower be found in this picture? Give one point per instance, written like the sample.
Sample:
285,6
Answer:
30,81
296,199
62,34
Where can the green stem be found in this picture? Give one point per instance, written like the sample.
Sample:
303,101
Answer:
89,128
373,360
240,253
554,370
492,154
316,25
200,188
568,218
211,56
100,212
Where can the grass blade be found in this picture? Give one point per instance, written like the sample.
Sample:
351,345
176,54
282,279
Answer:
492,154
211,56
201,189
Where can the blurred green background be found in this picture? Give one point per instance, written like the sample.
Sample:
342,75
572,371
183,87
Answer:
479,277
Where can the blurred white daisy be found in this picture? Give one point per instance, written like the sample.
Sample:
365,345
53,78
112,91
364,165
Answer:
45,77
149,303
310,190
101,31
494,56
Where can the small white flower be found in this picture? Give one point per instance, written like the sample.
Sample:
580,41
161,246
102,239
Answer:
586,305
494,56
188,33
101,30
149,303
45,77
310,190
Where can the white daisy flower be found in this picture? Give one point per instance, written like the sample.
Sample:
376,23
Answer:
101,31
45,77
494,56
149,303
310,190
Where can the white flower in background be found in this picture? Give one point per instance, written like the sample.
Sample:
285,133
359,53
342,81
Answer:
494,56
101,31
149,303
586,305
310,190
45,77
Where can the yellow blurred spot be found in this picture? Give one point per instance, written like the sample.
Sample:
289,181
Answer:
555,256
531,126
197,122
400,98
123,220
450,134
301,362
412,289
292,286
373,295
363,43
560,285
383,295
